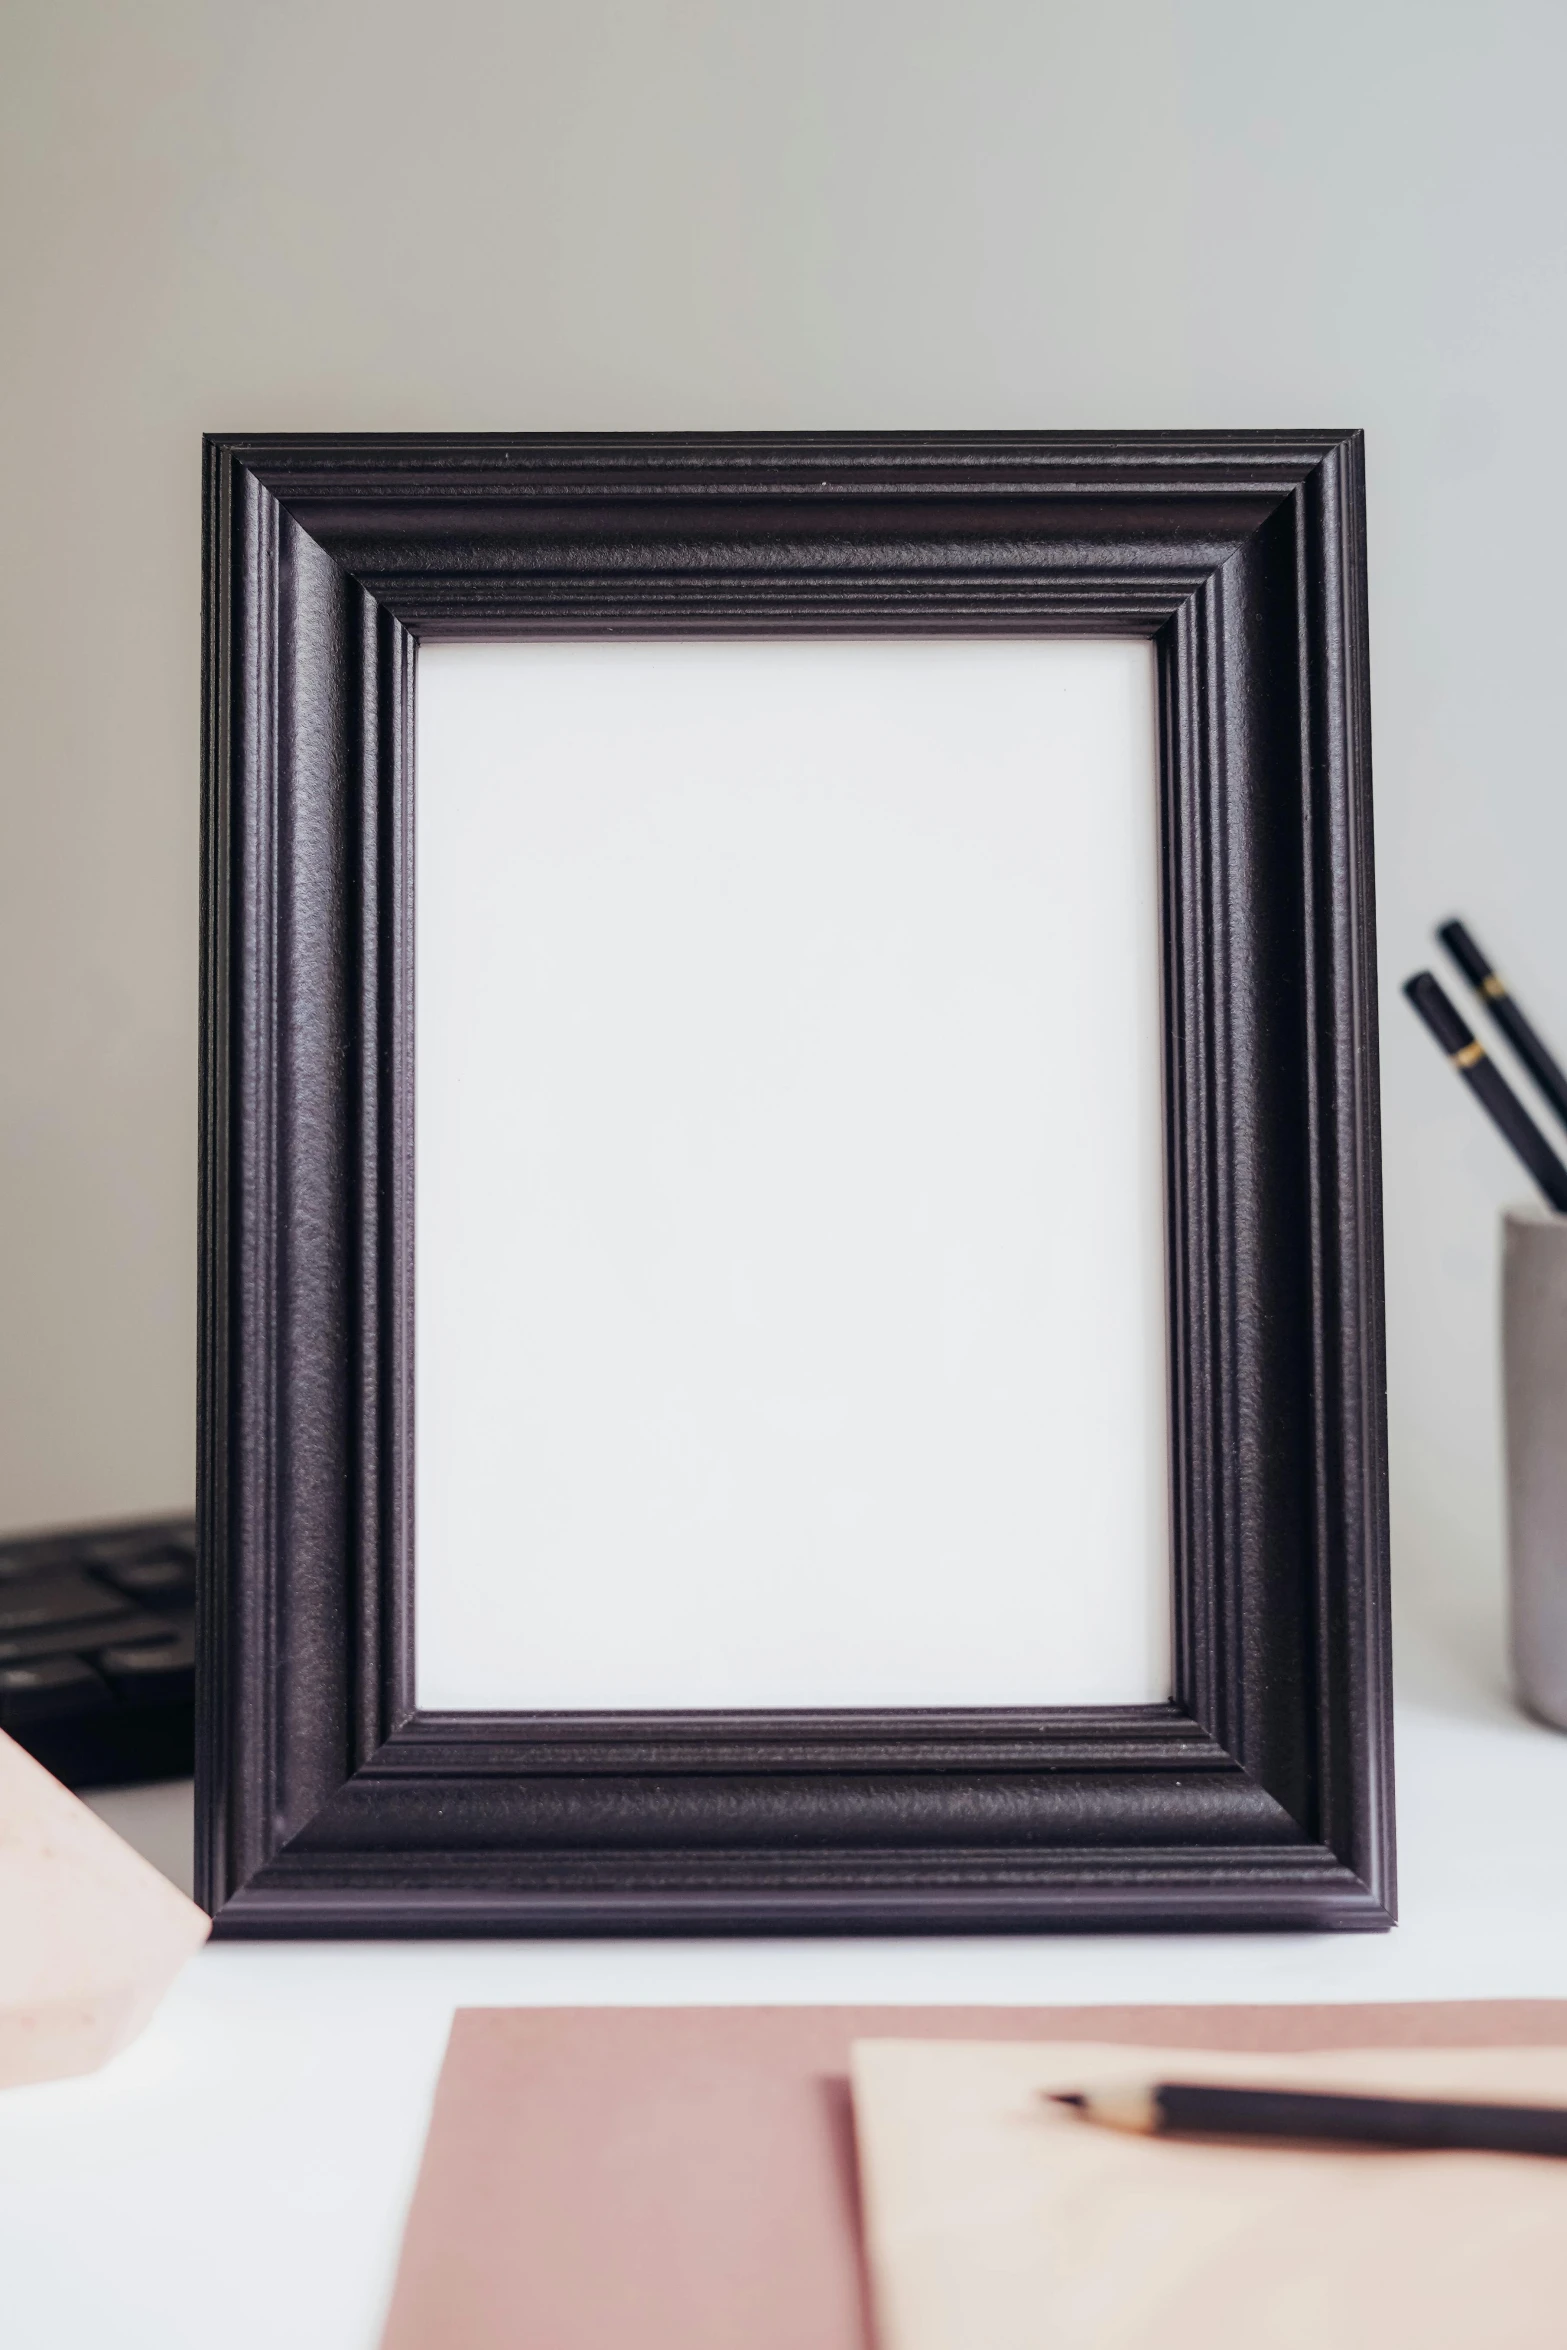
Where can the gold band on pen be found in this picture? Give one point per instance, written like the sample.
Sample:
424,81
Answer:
1473,1051
1493,987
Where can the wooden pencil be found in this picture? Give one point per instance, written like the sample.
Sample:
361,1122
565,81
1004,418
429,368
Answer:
1485,1080
1220,2110
1508,1014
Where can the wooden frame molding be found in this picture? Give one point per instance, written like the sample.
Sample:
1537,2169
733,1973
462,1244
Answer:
1261,1795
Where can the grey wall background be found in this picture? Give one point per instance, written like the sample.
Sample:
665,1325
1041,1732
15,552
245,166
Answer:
507,214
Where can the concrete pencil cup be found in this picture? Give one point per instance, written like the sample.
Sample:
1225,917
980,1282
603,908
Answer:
1534,1380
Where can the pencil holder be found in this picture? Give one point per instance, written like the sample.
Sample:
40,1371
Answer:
1534,1377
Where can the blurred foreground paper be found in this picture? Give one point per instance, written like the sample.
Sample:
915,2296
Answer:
993,2217
91,1936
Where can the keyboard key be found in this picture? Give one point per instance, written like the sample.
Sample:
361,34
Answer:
66,1597
53,1687
116,1623
124,1550
154,1579
19,1561
150,1670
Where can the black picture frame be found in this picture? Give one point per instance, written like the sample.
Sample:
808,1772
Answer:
1261,1795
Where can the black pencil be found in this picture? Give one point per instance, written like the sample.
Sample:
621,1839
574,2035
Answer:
1508,1014
1481,1074
1196,2109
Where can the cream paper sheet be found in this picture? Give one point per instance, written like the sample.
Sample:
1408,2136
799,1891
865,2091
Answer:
996,2221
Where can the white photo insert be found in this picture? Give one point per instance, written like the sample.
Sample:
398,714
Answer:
790,1263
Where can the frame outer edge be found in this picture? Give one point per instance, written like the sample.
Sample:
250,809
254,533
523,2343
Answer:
211,1854
236,1460
1368,1838
357,738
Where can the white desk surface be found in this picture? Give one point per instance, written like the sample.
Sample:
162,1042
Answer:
240,2175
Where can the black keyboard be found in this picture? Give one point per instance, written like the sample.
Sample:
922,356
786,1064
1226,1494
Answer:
97,1654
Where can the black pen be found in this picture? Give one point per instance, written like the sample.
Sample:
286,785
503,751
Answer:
1481,1074
1508,1014
1196,2109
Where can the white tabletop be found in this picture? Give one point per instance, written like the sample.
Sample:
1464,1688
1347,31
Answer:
240,2175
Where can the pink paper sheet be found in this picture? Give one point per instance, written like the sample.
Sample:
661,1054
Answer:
683,2178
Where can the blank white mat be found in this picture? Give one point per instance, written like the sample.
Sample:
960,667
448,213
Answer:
789,1232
